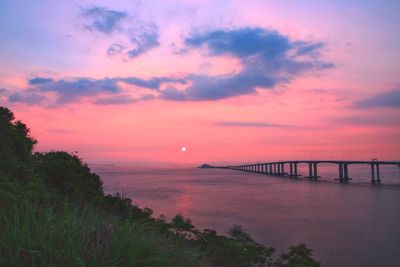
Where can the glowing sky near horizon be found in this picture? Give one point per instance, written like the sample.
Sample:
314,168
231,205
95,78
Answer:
231,81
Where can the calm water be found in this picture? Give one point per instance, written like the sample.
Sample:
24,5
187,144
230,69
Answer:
346,225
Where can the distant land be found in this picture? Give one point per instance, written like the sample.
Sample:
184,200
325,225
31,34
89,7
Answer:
206,166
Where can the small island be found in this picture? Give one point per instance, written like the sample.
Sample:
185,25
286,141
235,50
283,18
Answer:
206,166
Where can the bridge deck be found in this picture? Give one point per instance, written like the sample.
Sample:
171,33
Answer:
278,168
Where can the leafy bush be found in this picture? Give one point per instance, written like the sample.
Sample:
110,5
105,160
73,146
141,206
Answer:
68,175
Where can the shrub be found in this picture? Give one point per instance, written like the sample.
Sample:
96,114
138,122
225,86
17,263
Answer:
68,176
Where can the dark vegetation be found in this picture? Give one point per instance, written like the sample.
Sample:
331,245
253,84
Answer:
53,212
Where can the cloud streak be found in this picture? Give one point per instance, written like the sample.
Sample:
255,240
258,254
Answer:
388,99
102,20
39,80
143,42
141,37
28,97
72,90
122,99
253,124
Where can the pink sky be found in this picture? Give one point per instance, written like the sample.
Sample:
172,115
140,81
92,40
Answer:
320,81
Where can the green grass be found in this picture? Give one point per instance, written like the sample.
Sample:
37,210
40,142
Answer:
64,235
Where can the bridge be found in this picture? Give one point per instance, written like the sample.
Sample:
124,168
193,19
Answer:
278,168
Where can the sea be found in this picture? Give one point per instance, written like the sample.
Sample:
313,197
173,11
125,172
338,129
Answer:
354,224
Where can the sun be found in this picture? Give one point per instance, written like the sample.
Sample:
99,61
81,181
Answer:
183,149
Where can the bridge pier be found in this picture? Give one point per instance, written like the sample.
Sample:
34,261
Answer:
312,170
375,179
293,169
343,172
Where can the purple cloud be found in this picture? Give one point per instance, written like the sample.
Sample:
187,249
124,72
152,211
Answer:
388,99
268,58
102,19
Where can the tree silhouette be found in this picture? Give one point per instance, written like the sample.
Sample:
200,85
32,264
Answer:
15,145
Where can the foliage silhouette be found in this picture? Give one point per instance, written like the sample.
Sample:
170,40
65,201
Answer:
15,145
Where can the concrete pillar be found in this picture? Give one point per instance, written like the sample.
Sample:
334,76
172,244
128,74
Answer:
295,169
310,170
346,172
283,169
378,174
315,170
274,168
291,169
376,177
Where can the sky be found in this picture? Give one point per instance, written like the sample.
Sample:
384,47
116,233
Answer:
231,81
